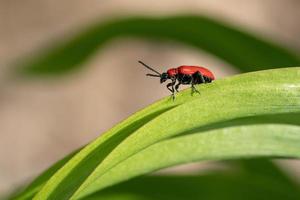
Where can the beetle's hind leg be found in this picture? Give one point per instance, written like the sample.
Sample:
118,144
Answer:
197,78
194,89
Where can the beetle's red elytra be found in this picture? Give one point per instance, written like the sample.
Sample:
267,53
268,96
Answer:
183,75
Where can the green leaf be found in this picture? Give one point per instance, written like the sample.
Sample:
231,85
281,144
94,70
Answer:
229,143
37,184
214,185
105,161
253,166
224,41
244,51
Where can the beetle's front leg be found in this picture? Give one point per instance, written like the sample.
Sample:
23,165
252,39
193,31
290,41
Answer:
170,87
177,86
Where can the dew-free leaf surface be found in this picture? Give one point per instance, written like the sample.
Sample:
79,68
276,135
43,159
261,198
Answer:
177,125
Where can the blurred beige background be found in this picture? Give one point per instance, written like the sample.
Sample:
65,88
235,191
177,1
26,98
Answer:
42,120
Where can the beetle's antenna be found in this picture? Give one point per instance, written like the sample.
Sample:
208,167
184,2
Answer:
159,74
154,75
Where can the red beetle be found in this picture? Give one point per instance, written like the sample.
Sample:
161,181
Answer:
185,75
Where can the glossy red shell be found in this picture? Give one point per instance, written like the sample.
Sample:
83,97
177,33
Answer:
185,69
172,71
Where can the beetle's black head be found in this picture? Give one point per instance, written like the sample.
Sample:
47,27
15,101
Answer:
163,77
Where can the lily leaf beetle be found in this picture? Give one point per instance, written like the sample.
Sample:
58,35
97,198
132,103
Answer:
182,75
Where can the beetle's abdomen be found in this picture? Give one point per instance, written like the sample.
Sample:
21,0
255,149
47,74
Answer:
189,70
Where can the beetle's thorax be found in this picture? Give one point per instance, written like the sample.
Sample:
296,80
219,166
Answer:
172,72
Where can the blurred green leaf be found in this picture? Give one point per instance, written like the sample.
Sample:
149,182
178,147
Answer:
125,151
243,50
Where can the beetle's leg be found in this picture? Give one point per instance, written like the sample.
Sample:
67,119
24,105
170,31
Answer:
170,85
173,83
177,86
172,88
195,81
194,89
197,78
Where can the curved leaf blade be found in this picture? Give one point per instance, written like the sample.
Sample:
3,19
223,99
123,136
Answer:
126,129
270,140
244,99
229,186
36,184
265,92
254,165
